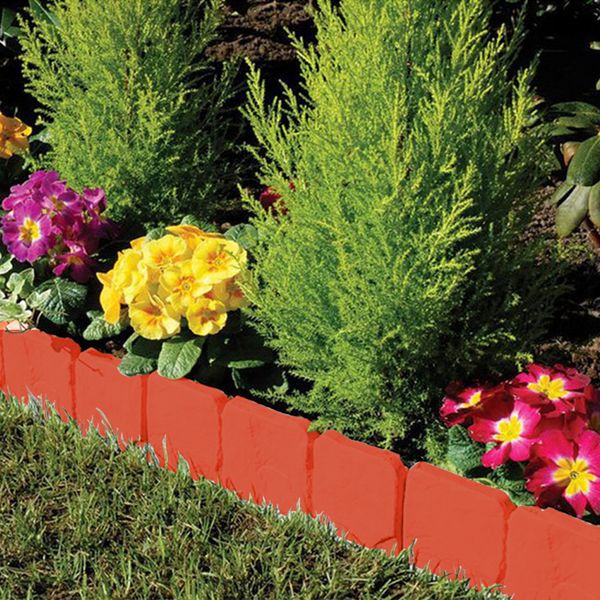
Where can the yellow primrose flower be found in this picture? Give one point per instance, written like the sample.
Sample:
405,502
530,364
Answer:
191,234
152,318
179,287
13,136
110,299
216,260
206,316
138,243
130,275
165,252
229,293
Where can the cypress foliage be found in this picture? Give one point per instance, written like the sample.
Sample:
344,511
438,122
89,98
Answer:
397,267
132,105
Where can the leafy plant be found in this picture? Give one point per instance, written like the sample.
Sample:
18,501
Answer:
534,436
397,264
576,127
131,104
26,294
179,290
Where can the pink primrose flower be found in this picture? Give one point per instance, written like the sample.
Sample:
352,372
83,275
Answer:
555,390
27,232
462,404
513,433
566,471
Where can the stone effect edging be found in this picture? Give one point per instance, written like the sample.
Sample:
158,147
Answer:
262,454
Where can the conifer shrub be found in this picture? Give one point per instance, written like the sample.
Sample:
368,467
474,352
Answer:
393,264
131,104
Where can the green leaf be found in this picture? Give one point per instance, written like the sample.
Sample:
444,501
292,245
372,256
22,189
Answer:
561,192
42,136
132,364
561,132
58,300
6,265
572,211
584,168
99,329
578,122
268,379
21,283
196,222
142,347
510,478
594,205
244,234
8,28
580,109
156,233
463,452
178,356
11,311
244,350
41,13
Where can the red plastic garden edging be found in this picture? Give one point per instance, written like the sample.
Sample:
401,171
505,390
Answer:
265,455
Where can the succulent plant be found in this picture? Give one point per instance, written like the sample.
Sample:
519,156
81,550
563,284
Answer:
576,131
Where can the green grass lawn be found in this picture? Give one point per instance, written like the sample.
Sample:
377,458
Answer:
79,519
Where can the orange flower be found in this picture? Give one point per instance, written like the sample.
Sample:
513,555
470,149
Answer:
13,136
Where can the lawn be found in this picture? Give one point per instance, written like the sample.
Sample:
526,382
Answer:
80,519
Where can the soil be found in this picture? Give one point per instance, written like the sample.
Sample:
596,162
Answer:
575,336
256,29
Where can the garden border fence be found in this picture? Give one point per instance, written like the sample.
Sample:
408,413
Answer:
261,454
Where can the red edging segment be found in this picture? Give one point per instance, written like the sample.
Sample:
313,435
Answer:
366,492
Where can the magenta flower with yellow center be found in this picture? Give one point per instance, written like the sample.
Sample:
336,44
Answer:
27,232
513,434
555,390
14,136
566,471
462,404
206,316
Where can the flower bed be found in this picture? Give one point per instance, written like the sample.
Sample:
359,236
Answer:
265,455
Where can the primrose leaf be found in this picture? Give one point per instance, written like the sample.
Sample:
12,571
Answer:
463,452
179,355
59,300
244,234
99,329
132,364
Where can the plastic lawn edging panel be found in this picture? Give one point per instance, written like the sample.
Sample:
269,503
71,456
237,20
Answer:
370,496
360,489
187,416
456,523
103,395
548,551
266,454
40,364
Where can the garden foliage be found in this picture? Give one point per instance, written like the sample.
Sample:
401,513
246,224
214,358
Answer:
131,104
396,264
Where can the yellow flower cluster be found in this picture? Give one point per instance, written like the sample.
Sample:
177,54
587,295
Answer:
13,136
186,273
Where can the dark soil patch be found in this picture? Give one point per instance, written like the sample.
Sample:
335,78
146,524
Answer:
575,335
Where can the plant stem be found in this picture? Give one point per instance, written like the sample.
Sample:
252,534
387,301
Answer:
593,234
